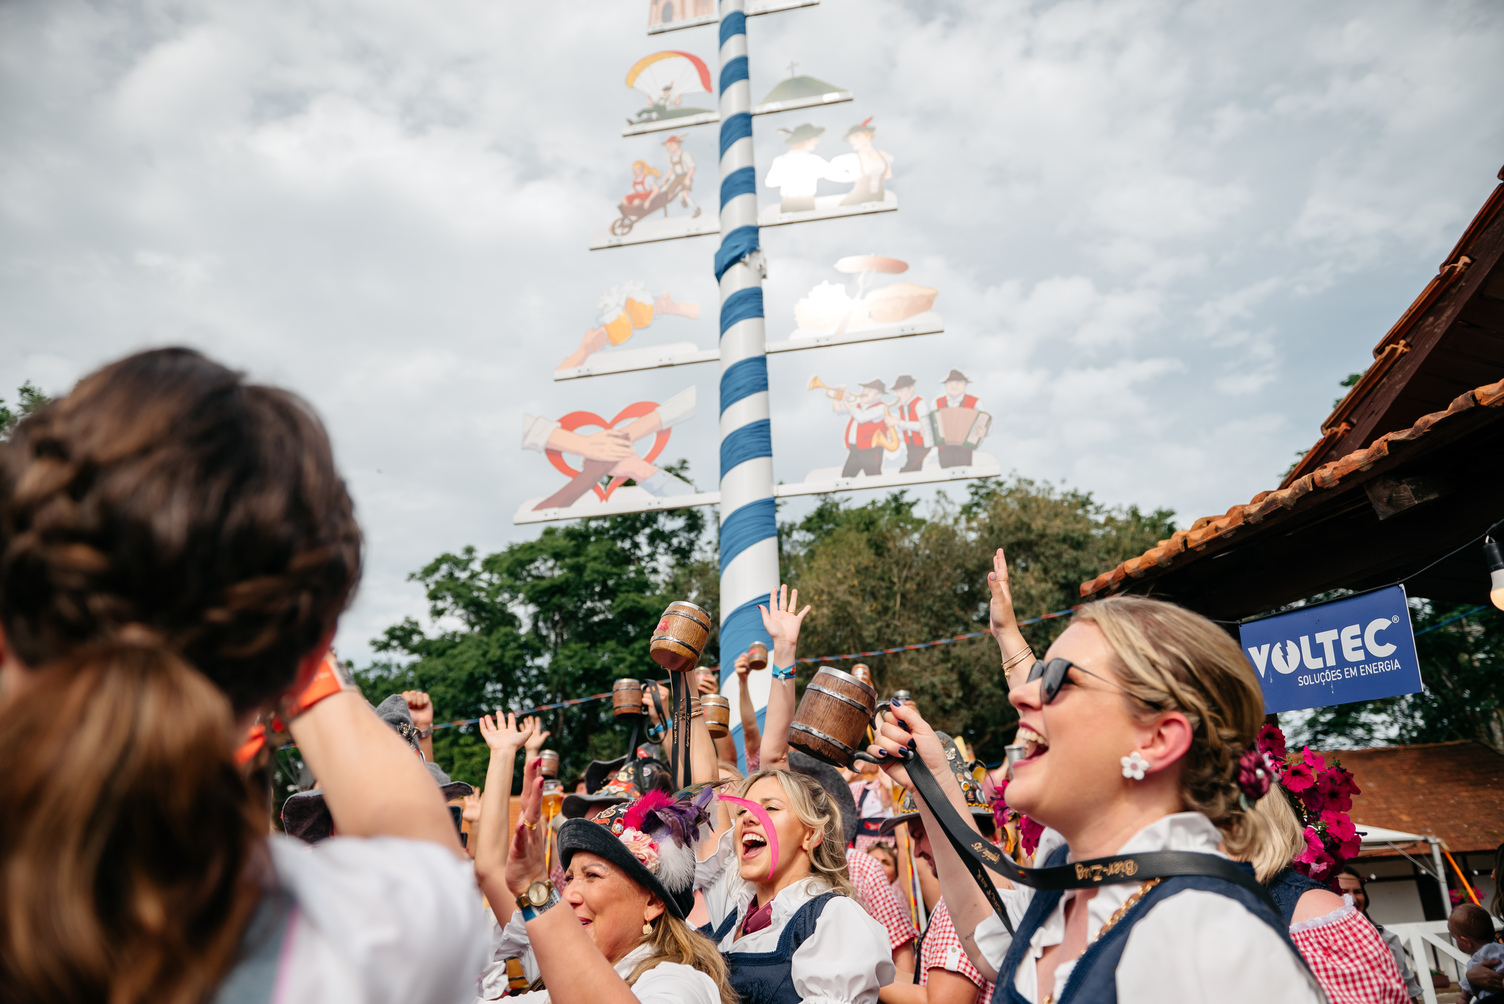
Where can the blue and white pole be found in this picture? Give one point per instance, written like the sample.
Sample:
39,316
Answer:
749,527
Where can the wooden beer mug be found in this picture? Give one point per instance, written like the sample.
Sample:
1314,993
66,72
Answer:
717,711
626,697
549,768
680,636
757,656
833,717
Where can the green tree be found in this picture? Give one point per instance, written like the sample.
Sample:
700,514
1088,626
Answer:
29,399
882,575
540,622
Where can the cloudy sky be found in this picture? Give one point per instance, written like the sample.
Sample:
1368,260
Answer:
1162,232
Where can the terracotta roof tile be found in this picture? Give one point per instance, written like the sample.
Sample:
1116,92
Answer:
1454,791
1209,528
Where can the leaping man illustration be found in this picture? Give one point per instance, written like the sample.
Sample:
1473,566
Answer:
682,165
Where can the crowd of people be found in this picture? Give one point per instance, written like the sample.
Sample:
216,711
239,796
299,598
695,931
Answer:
176,548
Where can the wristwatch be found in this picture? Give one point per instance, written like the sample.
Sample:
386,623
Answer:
537,899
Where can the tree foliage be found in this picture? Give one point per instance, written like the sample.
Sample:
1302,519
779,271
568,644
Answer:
540,622
29,398
882,575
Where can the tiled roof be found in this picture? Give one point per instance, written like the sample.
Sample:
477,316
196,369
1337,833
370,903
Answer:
1454,791
1184,544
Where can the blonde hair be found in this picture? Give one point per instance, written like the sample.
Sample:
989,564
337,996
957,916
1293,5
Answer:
818,811
1170,659
673,940
1279,838
646,167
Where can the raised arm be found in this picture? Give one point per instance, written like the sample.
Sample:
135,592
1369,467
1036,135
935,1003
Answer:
420,707
751,734
967,906
1002,621
494,832
373,782
782,624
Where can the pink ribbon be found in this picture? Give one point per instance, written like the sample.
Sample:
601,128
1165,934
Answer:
766,821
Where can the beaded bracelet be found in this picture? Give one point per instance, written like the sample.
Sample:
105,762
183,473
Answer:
781,672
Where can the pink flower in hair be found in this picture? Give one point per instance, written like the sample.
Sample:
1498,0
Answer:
1271,741
643,847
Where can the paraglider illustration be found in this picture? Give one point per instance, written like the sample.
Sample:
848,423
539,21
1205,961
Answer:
665,78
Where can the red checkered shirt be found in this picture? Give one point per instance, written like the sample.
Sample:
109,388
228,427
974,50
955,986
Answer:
876,895
1350,960
941,949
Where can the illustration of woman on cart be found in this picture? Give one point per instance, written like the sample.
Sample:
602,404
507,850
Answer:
643,188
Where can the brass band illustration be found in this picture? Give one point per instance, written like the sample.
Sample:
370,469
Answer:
879,421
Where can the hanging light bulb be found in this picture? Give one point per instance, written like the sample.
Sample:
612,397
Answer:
1495,572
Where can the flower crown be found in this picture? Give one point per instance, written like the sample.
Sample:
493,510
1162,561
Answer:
660,831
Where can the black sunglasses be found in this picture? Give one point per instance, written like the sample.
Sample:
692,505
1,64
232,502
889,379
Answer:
1056,673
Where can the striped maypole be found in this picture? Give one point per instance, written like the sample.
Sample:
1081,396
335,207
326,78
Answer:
749,527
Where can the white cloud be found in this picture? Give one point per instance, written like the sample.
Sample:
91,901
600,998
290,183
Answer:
1161,232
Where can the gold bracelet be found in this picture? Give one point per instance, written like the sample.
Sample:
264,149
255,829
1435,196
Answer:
1018,657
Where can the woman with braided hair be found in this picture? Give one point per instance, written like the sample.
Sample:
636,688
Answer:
175,549
1136,730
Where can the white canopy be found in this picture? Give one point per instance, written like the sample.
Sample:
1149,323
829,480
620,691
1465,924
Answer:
1378,836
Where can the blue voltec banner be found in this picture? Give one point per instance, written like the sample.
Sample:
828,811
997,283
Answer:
1357,649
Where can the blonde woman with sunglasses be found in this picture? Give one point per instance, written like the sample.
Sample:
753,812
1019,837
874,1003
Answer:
1135,724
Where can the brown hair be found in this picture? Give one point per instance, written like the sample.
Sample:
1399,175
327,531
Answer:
817,810
165,514
124,856
673,940
1472,921
1170,659
166,492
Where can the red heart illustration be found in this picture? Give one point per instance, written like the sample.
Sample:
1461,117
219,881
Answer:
577,419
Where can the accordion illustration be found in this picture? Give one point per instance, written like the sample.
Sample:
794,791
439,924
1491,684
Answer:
964,427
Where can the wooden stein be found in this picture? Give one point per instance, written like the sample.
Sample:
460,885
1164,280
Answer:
862,672
626,697
757,656
904,696
550,765
680,636
833,717
717,711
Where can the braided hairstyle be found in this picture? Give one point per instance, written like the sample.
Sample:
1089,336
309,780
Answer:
166,494
1170,659
174,542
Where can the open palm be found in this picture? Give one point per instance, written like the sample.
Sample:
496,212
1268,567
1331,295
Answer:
779,618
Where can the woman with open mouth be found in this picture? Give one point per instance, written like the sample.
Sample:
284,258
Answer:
1133,725
781,903
616,933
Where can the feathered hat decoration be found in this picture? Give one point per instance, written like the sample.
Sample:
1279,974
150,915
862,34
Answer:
651,838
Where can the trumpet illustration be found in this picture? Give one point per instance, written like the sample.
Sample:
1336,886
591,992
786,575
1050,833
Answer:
871,395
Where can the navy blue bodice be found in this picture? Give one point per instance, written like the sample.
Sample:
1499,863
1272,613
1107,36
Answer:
1286,888
1094,978
767,977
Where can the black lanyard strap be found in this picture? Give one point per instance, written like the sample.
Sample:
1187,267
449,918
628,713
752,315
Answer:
977,853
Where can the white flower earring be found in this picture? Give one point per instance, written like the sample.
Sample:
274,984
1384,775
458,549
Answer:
1134,766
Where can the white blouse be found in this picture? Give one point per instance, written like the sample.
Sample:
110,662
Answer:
377,919
845,961
1193,945
665,983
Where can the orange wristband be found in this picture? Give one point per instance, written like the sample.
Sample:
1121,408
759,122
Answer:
255,742
325,683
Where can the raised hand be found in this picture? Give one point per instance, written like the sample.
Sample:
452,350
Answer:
471,812
782,623
706,683
525,859
742,669
420,706
537,735
503,734
1001,620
